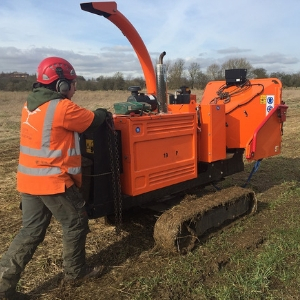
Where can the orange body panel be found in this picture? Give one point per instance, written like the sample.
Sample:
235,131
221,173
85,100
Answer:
212,136
157,151
181,108
246,109
267,137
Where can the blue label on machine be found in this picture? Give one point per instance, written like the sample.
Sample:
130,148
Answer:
137,129
270,99
270,103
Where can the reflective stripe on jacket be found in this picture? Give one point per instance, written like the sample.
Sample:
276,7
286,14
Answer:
50,158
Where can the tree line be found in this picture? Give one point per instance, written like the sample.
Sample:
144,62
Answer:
178,74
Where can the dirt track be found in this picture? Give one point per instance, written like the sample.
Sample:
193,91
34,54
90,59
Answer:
133,254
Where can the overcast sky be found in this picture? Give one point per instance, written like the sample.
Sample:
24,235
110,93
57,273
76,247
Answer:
264,32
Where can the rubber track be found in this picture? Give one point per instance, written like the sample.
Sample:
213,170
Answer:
173,224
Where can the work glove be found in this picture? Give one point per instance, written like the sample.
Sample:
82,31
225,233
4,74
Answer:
101,114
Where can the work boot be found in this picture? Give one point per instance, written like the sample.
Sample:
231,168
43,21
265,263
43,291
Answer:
92,272
89,273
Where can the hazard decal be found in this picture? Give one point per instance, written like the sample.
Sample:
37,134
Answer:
89,146
263,99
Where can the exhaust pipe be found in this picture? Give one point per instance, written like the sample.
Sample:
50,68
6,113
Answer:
161,84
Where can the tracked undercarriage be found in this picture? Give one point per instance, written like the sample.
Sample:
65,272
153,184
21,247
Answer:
179,228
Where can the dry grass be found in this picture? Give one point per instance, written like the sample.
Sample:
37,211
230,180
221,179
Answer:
134,270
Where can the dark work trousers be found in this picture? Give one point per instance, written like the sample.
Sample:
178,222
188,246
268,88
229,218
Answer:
68,208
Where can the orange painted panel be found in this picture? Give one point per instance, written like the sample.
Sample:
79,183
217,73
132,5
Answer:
245,107
212,136
266,139
157,151
181,108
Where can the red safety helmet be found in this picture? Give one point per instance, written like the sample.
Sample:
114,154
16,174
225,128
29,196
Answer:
47,71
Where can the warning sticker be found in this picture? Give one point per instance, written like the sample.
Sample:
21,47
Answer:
89,146
263,99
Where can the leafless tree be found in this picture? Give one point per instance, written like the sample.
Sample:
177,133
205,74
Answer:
175,74
193,70
214,72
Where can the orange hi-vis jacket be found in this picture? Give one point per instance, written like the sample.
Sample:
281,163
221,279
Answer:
50,158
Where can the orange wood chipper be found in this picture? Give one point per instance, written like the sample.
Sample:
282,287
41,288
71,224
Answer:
159,144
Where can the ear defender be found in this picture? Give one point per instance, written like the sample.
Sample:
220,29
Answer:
62,85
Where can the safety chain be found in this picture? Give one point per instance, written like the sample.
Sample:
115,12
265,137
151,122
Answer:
115,171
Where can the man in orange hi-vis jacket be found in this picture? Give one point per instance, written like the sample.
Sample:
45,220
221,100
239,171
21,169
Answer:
49,174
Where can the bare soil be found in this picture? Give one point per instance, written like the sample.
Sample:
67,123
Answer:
133,253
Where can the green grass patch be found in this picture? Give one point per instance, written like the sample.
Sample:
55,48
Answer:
290,192
218,270
262,275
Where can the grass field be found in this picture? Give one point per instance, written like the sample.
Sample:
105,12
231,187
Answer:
254,258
